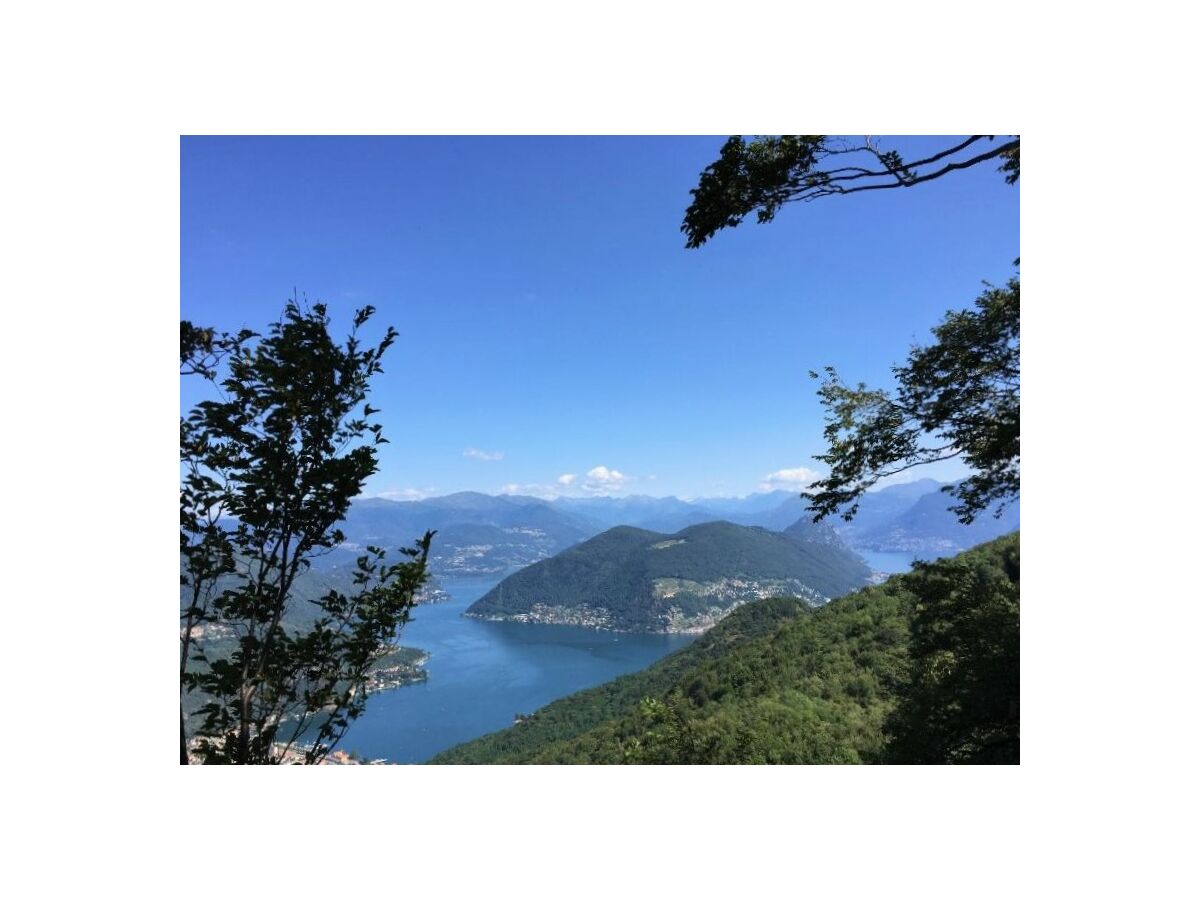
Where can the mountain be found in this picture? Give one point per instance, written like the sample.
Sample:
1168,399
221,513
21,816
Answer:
752,503
652,513
878,508
777,517
631,579
779,509
915,518
805,530
481,535
477,534
929,528
376,517
774,682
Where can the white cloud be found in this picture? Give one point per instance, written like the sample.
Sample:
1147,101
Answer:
541,491
597,481
605,474
408,493
789,479
603,480
483,455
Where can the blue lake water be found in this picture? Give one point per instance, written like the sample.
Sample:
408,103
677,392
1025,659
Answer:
481,674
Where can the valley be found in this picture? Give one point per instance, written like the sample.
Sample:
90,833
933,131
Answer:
477,655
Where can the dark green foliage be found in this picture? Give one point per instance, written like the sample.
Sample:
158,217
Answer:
201,350
962,701
607,571
1011,167
776,682
616,570
761,175
269,471
960,396
764,174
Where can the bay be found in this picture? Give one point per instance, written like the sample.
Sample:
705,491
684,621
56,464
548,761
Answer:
482,674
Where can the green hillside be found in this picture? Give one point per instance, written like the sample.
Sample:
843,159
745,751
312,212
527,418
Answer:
630,579
923,668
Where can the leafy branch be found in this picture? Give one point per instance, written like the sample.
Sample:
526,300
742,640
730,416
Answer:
774,170
958,397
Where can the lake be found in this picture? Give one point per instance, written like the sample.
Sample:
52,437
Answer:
481,674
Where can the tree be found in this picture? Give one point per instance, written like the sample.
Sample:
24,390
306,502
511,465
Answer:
269,470
201,350
961,702
770,171
958,397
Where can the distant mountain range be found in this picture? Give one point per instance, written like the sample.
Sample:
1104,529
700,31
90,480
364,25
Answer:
915,518
477,535
652,513
491,536
631,579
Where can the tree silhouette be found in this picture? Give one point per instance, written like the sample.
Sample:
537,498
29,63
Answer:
269,470
768,172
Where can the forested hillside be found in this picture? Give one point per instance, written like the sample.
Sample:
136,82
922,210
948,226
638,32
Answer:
631,579
923,668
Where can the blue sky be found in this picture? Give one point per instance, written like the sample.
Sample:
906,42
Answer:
552,323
